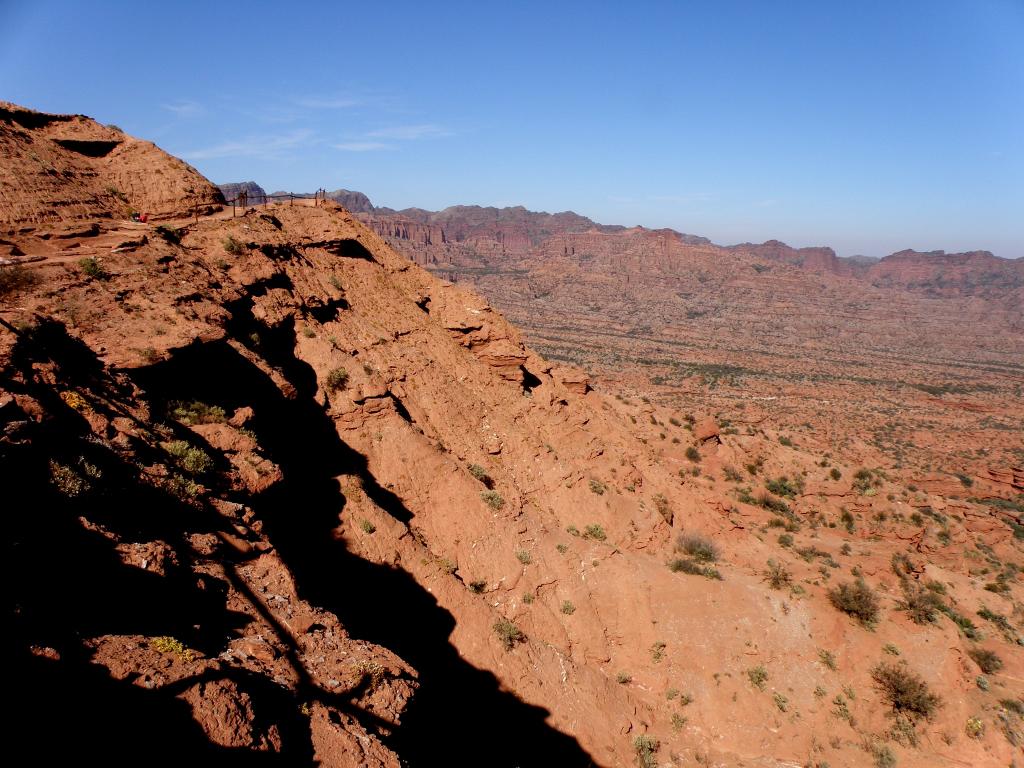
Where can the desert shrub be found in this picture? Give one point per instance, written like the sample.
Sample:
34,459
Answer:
881,754
367,526
524,557
595,532
528,598
731,474
922,605
783,486
772,503
16,278
481,474
700,548
906,692
623,678
781,702
785,540
783,440
987,661
596,486
67,480
974,728
693,568
169,234
828,659
856,599
645,747
193,460
996,618
965,624
693,454
663,507
847,520
492,499
171,645
91,268
1013,705
197,412
477,586
233,246
758,676
568,608
778,576
337,378
657,652
182,488
835,474
865,479
508,634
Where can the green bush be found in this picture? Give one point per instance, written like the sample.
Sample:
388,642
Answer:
700,548
922,605
16,278
234,247
988,661
91,268
693,454
758,676
193,460
907,692
508,633
481,474
778,576
693,568
645,747
835,474
783,486
196,412
858,600
169,234
595,532
492,499
336,379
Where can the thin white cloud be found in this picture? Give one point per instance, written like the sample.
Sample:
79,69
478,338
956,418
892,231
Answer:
252,146
184,108
361,146
326,102
410,132
693,197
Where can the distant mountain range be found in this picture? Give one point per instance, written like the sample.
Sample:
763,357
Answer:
475,237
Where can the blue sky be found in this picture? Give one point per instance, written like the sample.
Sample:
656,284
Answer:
868,126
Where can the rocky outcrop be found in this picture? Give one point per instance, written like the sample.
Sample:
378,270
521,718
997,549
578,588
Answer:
255,194
60,168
